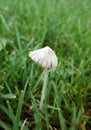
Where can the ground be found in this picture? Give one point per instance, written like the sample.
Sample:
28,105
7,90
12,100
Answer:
26,25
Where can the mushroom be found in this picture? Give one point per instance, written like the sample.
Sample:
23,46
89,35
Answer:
47,58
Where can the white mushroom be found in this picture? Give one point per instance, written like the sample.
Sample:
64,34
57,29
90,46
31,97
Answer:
47,58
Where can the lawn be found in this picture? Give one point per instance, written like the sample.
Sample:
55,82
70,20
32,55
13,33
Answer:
65,26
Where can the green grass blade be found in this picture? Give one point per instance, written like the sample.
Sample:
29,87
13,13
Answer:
37,117
12,115
20,104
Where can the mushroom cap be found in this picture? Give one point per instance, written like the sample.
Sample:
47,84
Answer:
45,57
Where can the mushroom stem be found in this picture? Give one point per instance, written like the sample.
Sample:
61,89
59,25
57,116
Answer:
43,92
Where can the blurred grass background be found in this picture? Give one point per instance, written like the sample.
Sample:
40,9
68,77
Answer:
65,26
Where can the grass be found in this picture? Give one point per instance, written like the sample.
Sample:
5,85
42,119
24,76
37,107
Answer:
64,26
